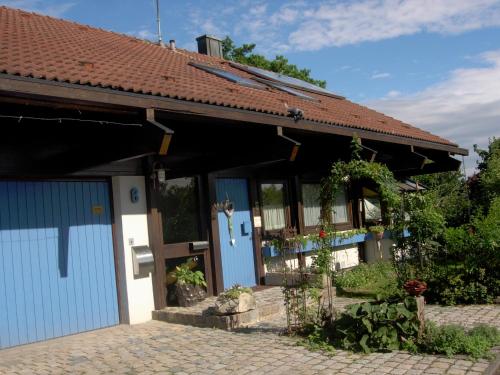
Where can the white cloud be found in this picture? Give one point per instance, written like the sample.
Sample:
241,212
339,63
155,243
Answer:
39,6
337,23
306,25
464,108
393,94
380,75
144,33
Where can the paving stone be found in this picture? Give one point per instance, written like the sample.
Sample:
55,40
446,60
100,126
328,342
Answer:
158,347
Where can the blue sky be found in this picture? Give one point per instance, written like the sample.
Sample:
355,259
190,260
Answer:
434,64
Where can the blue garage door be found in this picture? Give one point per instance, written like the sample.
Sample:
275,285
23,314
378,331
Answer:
57,274
236,242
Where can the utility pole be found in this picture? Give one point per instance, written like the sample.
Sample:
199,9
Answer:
160,41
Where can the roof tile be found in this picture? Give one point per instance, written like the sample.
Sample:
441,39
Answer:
39,46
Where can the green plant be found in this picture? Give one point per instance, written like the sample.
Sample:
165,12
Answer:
445,339
376,229
185,275
453,339
355,170
234,292
376,325
370,280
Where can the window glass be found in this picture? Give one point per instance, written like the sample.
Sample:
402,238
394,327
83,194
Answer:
312,208
179,210
340,214
371,202
273,206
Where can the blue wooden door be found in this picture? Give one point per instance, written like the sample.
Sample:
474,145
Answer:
237,250
57,274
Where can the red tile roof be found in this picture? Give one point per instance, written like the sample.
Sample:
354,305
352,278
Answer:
37,46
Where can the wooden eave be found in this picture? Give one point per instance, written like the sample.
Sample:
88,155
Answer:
11,85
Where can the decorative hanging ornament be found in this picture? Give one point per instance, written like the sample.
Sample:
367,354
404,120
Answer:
228,208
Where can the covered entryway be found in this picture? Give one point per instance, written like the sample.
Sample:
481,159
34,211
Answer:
235,232
56,260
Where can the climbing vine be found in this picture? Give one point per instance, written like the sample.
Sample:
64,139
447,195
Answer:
356,169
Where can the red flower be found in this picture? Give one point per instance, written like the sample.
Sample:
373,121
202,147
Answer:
322,234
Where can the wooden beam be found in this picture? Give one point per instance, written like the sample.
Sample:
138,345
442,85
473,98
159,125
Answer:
14,85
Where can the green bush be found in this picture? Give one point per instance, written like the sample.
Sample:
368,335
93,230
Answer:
368,279
469,269
452,339
376,325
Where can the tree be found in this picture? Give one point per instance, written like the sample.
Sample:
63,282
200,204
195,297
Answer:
450,195
244,55
485,185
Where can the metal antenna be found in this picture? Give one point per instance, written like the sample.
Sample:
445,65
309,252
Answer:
160,42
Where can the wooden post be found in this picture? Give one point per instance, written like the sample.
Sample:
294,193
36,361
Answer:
420,315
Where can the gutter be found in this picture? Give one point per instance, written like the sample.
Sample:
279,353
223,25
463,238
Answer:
61,91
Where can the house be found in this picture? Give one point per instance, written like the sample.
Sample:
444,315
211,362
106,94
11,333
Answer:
111,146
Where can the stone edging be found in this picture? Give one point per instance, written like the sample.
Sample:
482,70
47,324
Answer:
494,367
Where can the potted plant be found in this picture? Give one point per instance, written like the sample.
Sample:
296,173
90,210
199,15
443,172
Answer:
378,231
190,286
415,287
235,300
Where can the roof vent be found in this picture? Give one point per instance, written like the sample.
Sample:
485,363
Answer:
209,45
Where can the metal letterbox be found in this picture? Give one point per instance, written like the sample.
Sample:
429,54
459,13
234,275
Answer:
142,260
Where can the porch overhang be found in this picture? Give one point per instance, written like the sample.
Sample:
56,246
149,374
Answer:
61,92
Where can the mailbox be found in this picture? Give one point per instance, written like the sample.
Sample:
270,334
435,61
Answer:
142,260
198,245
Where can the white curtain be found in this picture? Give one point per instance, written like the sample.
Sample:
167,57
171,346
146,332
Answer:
312,208
340,208
274,217
273,206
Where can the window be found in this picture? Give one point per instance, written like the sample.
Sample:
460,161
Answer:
273,206
286,89
229,76
371,205
180,210
286,80
312,208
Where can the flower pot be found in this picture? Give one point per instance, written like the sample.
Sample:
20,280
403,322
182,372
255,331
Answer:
244,302
189,295
415,287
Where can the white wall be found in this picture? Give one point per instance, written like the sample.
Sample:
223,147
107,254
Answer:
136,295
343,257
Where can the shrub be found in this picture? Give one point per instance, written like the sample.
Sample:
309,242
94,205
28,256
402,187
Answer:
469,271
376,325
453,339
368,279
445,339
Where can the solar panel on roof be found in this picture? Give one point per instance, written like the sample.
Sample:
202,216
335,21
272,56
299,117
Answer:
228,75
286,89
286,80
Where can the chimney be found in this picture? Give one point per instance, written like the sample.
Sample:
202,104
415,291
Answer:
210,45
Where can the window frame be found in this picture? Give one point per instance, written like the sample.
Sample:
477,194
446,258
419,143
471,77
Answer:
286,205
202,228
311,229
365,222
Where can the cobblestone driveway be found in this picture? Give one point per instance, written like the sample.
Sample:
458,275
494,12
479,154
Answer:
158,347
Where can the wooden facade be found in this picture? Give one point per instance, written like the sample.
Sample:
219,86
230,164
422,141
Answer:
57,130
